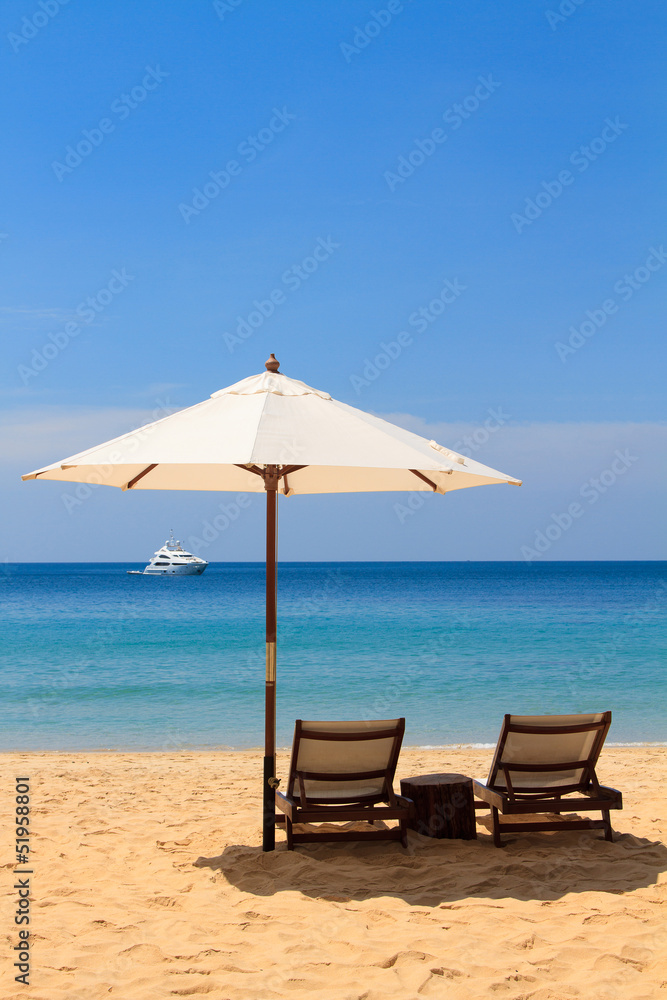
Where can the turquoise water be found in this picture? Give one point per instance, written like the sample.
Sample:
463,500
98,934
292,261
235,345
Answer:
95,658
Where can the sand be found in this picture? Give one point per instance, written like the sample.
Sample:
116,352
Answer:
149,883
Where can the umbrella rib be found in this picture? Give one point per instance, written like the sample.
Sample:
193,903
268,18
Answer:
149,468
288,470
424,479
260,472
251,468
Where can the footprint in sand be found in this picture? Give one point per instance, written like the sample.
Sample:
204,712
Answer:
403,959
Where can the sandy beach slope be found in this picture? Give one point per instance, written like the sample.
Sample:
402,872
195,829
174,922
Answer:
149,883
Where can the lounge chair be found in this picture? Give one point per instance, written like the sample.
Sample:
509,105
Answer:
344,771
540,759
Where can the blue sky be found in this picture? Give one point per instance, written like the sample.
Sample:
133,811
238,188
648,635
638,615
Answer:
169,166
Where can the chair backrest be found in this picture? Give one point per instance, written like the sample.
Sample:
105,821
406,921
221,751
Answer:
343,762
548,754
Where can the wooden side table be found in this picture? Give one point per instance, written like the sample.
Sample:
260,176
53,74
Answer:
444,805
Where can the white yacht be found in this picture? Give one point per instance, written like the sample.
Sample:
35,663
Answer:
173,560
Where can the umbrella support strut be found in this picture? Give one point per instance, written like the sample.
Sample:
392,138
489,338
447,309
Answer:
269,783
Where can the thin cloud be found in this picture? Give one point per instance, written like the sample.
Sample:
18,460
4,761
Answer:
43,435
546,455
42,313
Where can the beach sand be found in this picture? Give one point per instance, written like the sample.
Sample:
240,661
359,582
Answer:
149,882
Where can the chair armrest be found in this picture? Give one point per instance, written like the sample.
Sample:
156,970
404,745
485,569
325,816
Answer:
488,796
606,792
286,804
406,803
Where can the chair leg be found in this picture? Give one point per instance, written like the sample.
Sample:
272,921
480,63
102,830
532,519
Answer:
404,833
496,827
288,830
608,832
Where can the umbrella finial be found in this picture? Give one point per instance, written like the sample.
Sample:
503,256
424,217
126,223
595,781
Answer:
272,365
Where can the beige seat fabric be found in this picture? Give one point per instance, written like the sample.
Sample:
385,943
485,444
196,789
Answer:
543,748
347,755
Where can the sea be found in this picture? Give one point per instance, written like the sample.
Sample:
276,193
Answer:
94,658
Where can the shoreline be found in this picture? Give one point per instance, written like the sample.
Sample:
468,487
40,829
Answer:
406,748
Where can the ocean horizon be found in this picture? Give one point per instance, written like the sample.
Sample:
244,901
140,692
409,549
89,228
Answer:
98,659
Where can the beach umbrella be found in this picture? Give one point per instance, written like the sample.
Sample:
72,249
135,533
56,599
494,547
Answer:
268,434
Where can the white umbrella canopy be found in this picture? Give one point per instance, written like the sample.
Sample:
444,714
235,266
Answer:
271,433
271,419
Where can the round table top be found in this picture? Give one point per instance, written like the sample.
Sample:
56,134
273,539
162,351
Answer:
437,779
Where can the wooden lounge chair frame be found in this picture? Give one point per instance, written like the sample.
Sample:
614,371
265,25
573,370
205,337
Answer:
300,806
505,799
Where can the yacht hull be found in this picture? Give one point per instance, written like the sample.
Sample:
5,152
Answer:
174,570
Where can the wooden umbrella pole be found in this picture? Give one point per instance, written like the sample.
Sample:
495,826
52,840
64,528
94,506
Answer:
269,796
